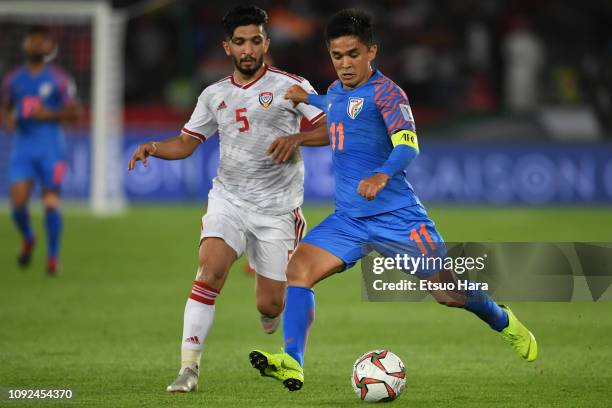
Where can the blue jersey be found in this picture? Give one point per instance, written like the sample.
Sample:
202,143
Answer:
25,93
39,151
361,122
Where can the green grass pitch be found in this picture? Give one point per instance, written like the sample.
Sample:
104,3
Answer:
109,328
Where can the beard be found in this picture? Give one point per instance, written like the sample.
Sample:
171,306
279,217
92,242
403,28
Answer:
248,71
35,57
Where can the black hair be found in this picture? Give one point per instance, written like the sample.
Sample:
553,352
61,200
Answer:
350,22
39,29
242,16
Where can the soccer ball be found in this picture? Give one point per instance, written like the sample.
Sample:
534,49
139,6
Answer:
378,376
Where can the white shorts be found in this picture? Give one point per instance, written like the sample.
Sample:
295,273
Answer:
269,240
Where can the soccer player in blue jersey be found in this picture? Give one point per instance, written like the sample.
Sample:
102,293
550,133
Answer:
36,98
373,138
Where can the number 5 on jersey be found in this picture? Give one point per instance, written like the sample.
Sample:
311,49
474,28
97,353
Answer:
240,117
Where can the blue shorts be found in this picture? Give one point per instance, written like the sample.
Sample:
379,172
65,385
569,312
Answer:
403,231
48,169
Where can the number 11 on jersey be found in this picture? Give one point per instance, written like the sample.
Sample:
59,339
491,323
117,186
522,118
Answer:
332,132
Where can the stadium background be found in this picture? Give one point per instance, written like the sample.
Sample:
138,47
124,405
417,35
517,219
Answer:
512,100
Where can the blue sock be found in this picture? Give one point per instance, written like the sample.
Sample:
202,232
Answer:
53,222
481,304
21,216
298,315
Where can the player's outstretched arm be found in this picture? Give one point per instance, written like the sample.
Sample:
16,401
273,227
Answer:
297,95
283,148
174,148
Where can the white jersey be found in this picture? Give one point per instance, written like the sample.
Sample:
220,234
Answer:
249,118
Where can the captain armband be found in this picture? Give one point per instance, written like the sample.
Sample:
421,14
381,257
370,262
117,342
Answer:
405,137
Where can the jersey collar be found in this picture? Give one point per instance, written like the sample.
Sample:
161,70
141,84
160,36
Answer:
37,75
249,84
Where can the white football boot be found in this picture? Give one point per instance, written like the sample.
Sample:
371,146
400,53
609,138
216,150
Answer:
186,381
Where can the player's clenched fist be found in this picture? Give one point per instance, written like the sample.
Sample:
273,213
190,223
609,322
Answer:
296,94
142,153
369,187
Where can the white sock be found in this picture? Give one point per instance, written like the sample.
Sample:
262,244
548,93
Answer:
199,315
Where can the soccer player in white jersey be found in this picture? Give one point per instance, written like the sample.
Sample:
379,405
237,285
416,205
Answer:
254,204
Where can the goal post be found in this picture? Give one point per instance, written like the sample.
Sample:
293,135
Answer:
106,194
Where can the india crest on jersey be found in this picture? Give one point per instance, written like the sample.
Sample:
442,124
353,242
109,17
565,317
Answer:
265,99
355,106
45,90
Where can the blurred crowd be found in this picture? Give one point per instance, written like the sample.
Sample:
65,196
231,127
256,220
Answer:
498,68
454,58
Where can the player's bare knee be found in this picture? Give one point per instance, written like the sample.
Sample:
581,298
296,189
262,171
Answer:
51,198
19,201
299,272
20,194
270,307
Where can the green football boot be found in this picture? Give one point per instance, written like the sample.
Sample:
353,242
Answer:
519,337
280,366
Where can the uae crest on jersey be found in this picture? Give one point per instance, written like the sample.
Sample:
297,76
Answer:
355,106
265,99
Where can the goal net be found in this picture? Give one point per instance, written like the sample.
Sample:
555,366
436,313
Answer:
90,47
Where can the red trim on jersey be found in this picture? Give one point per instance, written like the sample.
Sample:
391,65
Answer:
293,76
197,135
221,80
317,118
248,85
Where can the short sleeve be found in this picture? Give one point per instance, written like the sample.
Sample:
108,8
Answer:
67,90
66,87
310,112
393,105
202,123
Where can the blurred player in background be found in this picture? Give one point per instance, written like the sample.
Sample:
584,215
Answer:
36,98
254,204
373,138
